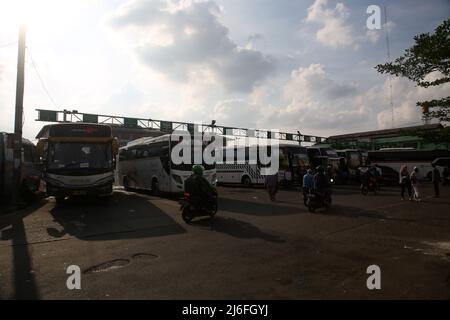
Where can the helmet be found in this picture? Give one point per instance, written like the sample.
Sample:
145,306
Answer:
309,171
319,169
198,169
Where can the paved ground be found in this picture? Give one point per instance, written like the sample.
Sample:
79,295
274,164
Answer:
137,246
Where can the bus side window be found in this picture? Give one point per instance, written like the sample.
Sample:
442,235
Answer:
131,154
145,153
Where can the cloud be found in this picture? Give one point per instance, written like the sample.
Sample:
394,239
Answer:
405,97
174,39
308,84
334,31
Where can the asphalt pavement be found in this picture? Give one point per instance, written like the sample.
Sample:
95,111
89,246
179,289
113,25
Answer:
136,246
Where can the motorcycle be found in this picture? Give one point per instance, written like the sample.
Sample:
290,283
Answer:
369,186
189,211
316,200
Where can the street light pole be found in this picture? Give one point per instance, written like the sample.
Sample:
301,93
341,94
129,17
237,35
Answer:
17,147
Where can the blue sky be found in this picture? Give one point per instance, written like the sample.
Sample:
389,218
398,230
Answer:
287,65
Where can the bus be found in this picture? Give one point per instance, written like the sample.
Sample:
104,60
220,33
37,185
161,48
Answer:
395,158
30,170
77,159
353,158
293,163
146,164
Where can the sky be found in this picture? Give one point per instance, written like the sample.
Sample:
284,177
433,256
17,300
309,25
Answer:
289,65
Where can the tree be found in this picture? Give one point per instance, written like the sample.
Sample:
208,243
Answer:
430,53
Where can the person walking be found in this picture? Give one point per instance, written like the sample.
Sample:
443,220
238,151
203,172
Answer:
416,184
436,179
272,185
405,182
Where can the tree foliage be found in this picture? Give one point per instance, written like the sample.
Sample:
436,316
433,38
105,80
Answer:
430,53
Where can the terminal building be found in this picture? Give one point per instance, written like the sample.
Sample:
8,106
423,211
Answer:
406,137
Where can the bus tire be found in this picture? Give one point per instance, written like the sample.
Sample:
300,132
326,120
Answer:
155,187
246,181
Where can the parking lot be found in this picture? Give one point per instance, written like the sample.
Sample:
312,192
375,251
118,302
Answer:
136,246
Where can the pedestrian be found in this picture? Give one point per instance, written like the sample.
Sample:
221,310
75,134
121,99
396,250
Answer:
436,179
405,182
308,184
416,184
272,185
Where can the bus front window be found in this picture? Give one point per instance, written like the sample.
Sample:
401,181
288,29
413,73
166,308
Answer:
67,155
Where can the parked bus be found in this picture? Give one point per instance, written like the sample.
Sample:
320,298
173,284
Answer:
30,172
352,158
395,158
146,164
293,163
78,159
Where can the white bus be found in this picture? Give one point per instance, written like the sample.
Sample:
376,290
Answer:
395,158
293,163
146,164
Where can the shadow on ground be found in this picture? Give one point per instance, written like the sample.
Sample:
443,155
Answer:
124,215
236,228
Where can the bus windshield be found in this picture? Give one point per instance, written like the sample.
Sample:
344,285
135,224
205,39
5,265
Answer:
70,155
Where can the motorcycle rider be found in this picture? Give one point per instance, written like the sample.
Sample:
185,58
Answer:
321,183
200,190
308,184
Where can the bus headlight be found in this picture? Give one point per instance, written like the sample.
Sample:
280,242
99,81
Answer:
177,178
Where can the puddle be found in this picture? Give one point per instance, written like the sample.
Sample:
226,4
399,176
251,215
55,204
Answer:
145,256
108,266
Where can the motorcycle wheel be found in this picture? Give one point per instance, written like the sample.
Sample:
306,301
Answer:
311,208
187,215
213,210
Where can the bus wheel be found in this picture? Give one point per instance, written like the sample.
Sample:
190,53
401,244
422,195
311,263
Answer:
246,181
155,187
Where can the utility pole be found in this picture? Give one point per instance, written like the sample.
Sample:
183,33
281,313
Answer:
17,153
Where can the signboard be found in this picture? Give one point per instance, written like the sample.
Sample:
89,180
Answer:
79,130
228,131
49,116
130,122
166,126
90,118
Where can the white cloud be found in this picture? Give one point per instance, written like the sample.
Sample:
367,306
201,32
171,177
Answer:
373,36
334,31
176,38
405,97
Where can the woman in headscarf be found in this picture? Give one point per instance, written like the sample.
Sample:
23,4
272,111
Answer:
405,182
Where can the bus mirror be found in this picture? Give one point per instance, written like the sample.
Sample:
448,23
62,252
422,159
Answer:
40,149
115,146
